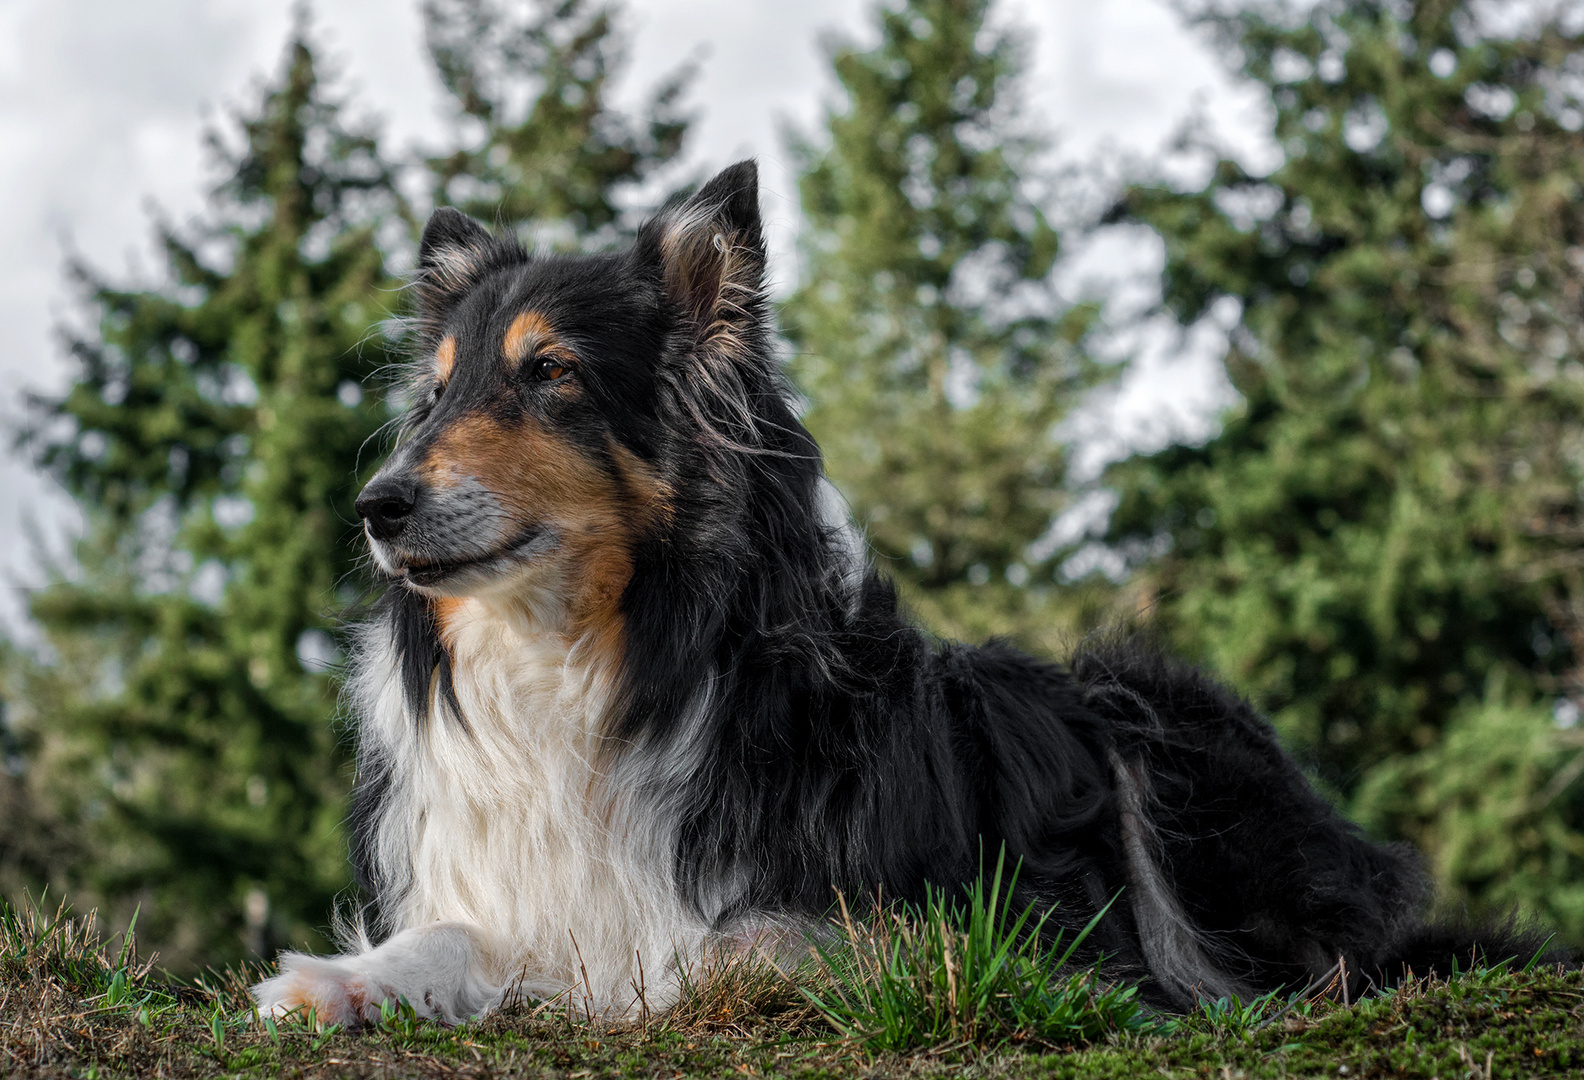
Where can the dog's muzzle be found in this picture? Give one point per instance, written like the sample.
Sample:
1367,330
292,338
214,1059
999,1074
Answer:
459,537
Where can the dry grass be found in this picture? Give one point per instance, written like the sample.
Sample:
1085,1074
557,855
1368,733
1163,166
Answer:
75,1004
741,992
57,976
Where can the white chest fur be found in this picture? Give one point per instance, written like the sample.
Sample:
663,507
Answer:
517,824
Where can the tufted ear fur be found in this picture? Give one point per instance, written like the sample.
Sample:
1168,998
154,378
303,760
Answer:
453,255
710,253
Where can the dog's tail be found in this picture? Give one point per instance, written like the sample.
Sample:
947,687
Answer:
1447,948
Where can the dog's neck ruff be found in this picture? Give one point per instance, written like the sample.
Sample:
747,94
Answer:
508,818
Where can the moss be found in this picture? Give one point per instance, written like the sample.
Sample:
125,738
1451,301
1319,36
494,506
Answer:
72,1005
1482,1025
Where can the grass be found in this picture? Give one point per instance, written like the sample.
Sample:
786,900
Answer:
73,1005
971,973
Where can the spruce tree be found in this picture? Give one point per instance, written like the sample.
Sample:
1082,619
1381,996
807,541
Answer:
926,333
213,438
1380,544
538,145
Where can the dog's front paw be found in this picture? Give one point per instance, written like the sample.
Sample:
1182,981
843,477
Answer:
324,990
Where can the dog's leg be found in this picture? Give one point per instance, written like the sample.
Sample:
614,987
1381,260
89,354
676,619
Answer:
437,969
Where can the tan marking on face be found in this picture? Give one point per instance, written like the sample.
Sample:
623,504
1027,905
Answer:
649,494
540,478
445,357
527,332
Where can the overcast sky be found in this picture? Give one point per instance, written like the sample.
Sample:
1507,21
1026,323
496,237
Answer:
102,103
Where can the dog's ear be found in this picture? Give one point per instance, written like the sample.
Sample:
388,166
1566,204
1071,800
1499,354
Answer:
452,254
709,252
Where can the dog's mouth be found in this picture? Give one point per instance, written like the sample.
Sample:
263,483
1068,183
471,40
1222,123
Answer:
427,573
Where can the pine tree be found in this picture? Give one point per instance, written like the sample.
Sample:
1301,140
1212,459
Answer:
540,145
212,438
1380,544
935,353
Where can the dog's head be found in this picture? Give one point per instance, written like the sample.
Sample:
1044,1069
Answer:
541,449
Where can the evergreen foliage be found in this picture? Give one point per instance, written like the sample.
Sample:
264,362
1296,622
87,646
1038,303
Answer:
928,337
212,439
1492,805
539,145
1380,544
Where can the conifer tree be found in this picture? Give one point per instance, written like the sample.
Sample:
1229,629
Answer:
539,144
212,438
927,336
1380,545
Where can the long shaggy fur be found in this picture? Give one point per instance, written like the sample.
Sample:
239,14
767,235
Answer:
634,692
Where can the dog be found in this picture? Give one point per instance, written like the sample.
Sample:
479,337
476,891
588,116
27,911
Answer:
634,691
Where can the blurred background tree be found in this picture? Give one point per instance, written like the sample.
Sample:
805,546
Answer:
538,146
1381,544
1493,807
211,439
927,332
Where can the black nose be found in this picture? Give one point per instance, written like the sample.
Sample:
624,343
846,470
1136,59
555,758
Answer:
385,505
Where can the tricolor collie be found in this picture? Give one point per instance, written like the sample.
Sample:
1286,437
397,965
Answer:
634,692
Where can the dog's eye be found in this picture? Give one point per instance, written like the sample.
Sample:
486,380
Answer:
549,369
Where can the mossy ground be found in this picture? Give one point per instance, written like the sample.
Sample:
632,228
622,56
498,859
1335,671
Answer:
71,1006
1484,1027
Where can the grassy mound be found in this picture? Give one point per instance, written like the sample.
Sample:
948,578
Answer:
74,1005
